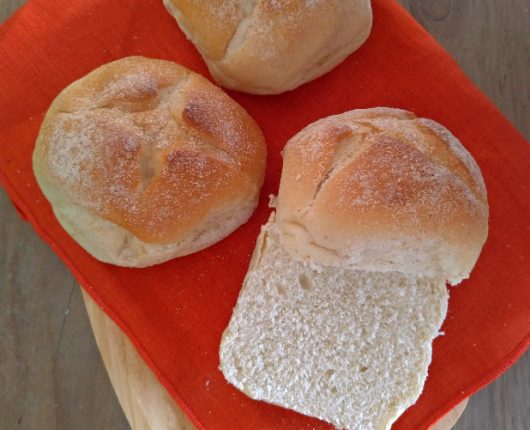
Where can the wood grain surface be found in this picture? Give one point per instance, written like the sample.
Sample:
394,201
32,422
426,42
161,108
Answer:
51,374
145,402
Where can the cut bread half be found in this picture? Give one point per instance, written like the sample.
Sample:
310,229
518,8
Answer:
349,347
346,291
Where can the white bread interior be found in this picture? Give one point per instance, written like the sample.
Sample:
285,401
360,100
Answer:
349,347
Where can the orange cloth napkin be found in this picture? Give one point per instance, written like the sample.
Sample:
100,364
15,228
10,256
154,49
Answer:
175,313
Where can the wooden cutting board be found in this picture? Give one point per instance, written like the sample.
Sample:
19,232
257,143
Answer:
145,402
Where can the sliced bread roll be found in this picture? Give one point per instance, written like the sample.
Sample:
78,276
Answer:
316,330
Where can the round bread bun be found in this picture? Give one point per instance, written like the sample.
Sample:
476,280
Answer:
382,190
269,46
143,160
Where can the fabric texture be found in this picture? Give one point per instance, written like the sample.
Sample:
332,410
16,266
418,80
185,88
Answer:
175,313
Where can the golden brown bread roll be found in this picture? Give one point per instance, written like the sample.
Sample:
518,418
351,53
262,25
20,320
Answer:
143,160
380,189
270,46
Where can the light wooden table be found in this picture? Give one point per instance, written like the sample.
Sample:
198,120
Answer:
51,374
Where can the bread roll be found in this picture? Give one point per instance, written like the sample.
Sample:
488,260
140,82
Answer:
346,289
268,47
380,189
143,160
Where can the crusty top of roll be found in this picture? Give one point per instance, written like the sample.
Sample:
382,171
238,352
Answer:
269,46
153,148
381,189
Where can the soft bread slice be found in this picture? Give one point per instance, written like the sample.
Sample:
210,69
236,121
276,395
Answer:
346,346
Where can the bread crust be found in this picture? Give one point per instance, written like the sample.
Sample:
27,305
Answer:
380,189
152,153
268,47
